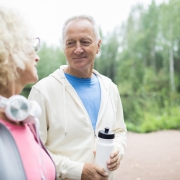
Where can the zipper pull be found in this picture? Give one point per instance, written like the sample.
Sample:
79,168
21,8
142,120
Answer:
95,134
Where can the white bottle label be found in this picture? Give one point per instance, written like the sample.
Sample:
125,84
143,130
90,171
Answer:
103,152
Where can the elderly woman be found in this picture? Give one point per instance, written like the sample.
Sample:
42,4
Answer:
18,135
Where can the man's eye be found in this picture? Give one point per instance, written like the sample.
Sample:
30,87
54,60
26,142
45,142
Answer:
69,43
85,42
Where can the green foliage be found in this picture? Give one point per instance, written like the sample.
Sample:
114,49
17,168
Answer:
50,60
106,63
149,115
145,72
154,122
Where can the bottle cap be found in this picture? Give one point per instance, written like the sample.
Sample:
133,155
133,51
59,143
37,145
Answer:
106,134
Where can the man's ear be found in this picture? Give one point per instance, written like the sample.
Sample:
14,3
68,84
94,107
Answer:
99,46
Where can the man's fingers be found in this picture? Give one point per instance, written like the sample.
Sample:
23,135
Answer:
101,171
113,160
92,171
114,153
114,165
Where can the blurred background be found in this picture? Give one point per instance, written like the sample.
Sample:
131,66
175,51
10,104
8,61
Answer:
140,52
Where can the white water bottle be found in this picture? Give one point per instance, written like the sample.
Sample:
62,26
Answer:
104,147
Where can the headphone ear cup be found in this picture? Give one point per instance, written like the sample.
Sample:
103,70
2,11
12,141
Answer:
34,112
17,108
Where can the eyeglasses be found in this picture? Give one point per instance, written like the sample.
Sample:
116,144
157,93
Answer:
36,44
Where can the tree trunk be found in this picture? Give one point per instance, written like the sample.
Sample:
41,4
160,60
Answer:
171,66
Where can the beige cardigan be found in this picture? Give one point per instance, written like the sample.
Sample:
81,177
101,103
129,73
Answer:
65,127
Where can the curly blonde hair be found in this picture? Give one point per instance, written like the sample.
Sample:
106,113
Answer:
15,46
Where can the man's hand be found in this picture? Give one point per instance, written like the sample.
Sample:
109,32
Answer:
93,172
114,161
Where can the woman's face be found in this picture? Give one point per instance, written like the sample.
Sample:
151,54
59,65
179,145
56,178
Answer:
29,74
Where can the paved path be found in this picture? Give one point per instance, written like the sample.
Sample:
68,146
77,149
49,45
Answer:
152,156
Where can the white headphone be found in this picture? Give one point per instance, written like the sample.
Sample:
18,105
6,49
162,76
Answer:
17,108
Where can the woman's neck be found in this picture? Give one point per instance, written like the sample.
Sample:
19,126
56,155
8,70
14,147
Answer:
4,118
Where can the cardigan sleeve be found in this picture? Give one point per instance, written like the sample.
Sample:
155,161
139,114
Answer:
119,126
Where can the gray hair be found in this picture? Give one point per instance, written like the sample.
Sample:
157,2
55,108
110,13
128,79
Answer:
15,46
83,17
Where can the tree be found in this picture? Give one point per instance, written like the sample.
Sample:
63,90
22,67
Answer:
170,23
106,62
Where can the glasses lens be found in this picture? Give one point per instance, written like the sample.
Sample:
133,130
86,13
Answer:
36,44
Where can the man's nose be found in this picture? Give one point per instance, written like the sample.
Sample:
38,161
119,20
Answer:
78,49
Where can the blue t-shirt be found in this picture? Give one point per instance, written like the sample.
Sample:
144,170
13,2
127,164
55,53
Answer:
89,92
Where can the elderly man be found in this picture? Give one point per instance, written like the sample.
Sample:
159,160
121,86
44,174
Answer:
76,103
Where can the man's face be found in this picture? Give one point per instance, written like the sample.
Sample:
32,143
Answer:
80,45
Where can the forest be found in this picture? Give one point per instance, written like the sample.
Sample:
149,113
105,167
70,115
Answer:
142,57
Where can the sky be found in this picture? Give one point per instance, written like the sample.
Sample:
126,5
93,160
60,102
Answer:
47,16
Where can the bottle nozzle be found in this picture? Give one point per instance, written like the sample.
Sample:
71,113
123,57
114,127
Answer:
106,130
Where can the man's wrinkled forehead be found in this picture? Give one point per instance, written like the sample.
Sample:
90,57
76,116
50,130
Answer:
78,23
